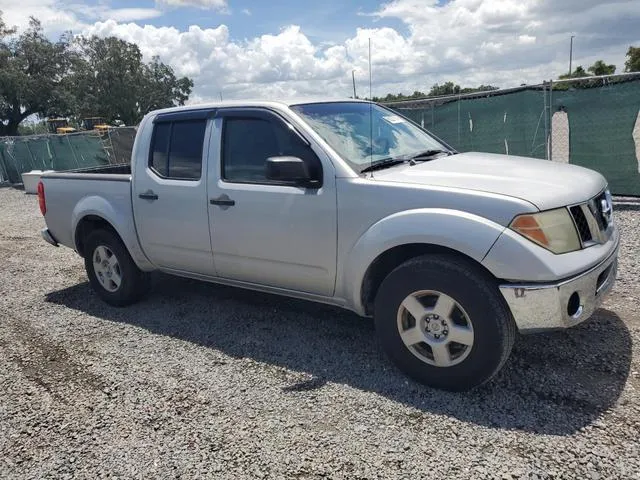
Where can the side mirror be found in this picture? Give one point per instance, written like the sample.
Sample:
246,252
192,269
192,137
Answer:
291,170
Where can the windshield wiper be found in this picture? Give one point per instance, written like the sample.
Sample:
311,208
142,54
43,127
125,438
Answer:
384,163
411,158
427,154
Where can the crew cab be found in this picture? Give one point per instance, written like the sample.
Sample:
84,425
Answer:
349,203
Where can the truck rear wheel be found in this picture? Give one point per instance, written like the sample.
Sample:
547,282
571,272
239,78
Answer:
442,321
113,274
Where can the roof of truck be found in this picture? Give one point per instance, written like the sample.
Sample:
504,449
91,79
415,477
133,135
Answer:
259,103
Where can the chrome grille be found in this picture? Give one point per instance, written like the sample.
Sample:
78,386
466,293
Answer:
593,219
600,203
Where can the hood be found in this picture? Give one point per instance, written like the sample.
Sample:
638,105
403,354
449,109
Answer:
545,184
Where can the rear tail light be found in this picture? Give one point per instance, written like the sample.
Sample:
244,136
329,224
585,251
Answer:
41,199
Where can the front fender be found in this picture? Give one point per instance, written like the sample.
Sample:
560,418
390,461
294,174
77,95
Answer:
516,259
464,232
120,218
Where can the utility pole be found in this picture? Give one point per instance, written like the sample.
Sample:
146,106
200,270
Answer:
353,77
571,54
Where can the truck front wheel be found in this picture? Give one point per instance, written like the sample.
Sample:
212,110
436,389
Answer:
113,274
442,321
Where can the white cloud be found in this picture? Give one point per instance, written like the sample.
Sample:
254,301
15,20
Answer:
526,39
246,11
57,17
507,42
271,64
471,42
104,12
129,14
219,5
49,12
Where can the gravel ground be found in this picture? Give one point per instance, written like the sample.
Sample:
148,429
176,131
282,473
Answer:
208,381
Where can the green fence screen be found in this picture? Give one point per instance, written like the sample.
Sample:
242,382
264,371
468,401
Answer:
601,126
64,152
603,130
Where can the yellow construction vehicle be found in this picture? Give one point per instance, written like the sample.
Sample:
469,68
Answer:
95,123
59,125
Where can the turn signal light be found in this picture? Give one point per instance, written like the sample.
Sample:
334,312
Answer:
528,226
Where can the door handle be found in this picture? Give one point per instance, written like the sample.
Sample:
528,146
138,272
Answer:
148,195
223,200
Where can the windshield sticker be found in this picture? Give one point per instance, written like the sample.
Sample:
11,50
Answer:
394,119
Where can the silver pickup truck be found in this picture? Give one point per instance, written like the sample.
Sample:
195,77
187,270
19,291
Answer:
351,204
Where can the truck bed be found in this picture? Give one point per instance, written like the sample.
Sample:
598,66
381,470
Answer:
122,168
105,190
103,171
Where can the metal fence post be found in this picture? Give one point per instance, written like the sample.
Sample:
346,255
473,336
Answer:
545,113
433,114
550,155
113,150
4,173
74,153
33,159
458,146
51,156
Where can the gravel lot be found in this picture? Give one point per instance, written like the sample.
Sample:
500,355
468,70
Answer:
208,381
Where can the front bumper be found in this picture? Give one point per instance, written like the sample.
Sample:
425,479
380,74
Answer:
553,306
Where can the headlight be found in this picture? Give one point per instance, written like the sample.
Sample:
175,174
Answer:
553,230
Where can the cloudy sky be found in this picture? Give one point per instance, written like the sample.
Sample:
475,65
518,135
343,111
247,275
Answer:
284,48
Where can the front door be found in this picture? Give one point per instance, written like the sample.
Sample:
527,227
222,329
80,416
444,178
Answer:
261,231
170,194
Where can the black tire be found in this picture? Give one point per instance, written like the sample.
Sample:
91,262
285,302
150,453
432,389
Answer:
134,283
475,291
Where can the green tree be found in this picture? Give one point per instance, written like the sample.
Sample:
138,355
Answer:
601,68
115,83
633,60
33,75
448,88
481,88
579,72
161,88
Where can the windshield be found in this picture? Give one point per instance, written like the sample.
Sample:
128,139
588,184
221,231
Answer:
365,133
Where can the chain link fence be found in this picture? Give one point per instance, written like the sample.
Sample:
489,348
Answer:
65,152
593,122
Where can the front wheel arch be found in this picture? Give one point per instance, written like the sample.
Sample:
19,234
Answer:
388,260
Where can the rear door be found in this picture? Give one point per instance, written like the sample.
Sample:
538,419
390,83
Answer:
261,231
170,193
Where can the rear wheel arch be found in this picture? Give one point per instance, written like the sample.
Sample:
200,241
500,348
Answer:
87,225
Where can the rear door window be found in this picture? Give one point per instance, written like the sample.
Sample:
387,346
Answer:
177,149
